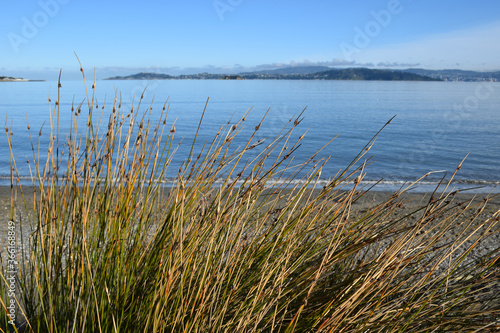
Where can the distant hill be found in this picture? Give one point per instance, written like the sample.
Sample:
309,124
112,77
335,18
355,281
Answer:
143,76
292,73
456,74
342,74
370,75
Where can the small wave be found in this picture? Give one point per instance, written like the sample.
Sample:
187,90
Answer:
475,186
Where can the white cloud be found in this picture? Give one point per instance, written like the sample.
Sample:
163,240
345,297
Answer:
397,64
306,62
475,49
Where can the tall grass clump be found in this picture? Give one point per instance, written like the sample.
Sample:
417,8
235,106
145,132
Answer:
228,248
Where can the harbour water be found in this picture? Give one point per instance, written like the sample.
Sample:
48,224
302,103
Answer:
437,124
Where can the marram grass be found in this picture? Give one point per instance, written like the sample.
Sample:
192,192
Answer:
227,248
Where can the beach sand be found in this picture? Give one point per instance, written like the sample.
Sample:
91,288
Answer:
411,202
482,207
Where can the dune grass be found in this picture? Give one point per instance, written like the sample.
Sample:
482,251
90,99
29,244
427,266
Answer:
227,248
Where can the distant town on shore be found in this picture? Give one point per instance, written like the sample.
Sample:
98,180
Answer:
327,73
316,73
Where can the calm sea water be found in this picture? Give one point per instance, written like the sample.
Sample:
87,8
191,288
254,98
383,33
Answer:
436,125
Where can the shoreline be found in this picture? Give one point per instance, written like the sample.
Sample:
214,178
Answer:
479,187
370,199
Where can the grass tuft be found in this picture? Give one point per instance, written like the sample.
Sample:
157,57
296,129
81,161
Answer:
228,248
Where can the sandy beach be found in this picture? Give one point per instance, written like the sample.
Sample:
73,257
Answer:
411,202
482,206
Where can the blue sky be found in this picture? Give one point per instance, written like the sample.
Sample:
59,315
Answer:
184,36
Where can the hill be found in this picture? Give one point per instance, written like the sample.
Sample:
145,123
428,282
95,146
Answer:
370,75
292,73
143,76
344,74
456,74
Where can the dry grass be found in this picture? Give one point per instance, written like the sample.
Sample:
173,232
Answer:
227,250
